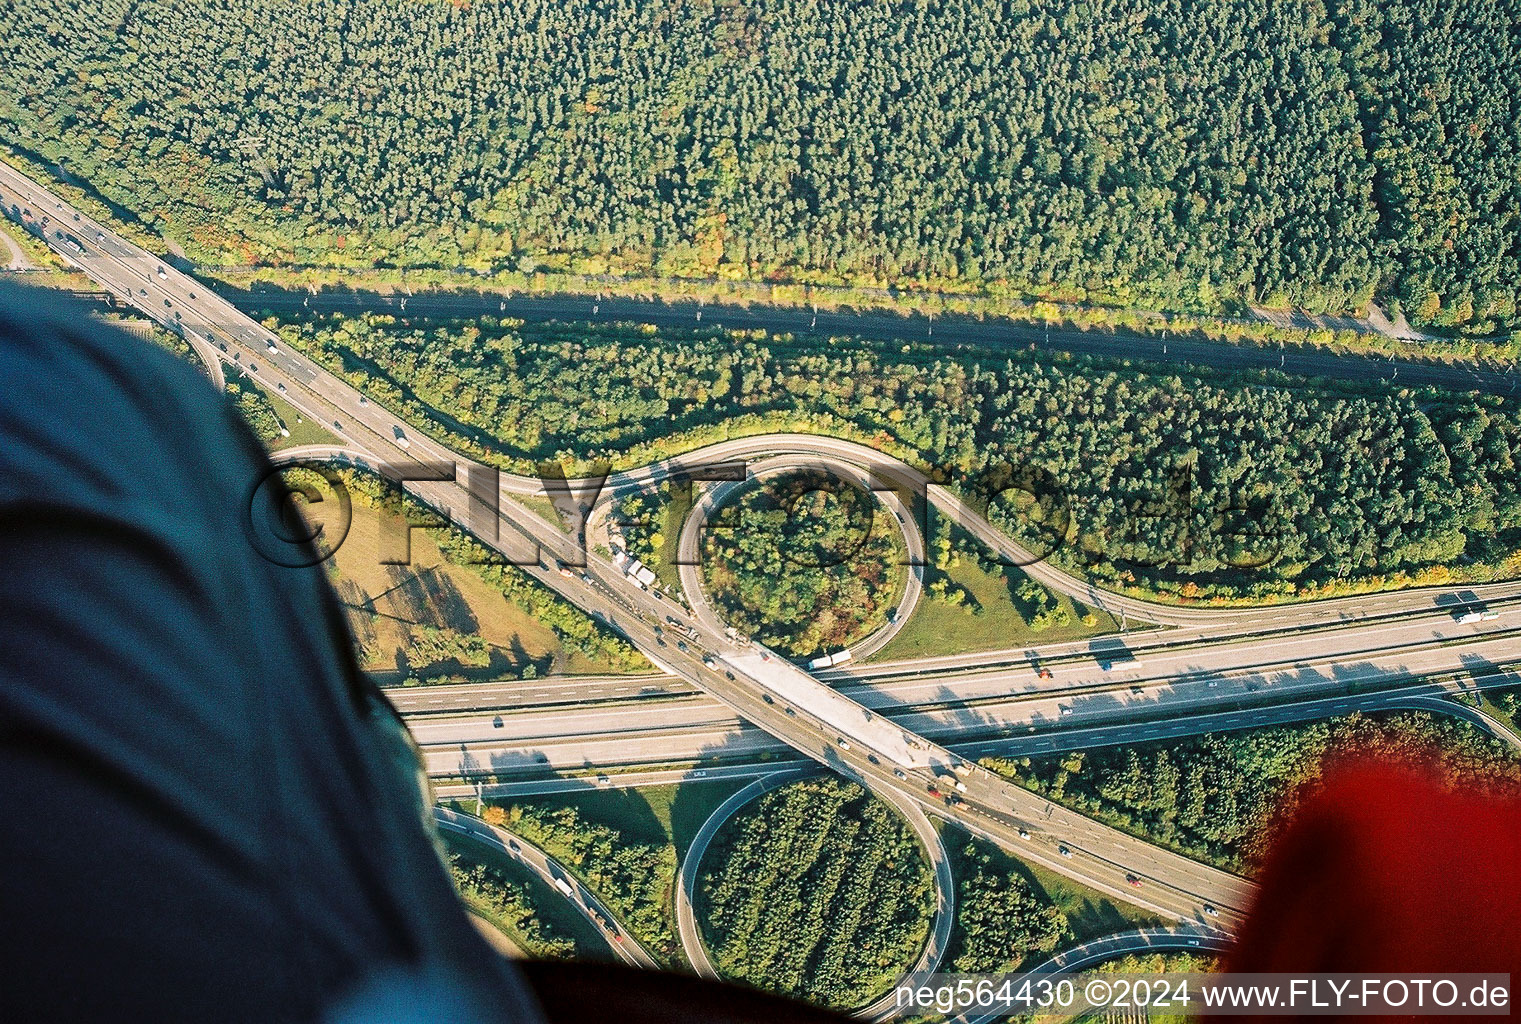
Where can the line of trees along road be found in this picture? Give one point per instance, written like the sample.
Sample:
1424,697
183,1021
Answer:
1199,485
1180,152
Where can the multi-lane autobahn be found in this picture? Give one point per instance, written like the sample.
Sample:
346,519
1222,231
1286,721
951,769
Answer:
888,754
1172,678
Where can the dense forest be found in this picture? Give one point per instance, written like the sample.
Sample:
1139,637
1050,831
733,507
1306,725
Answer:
1216,797
817,890
1180,152
1200,485
804,563
1002,921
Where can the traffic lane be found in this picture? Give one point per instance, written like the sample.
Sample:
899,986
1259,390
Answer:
1240,663
440,698
529,726
1000,669
676,747
692,714
1265,623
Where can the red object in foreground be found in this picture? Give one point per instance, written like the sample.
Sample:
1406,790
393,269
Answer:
1383,871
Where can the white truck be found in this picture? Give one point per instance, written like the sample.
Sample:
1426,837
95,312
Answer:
839,657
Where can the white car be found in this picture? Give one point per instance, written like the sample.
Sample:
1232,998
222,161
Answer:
272,349
843,742
162,276
603,780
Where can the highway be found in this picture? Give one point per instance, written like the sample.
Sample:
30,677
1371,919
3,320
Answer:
813,718
1001,700
568,743
1072,664
1432,695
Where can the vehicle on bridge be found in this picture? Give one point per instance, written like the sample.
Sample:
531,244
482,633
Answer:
951,782
840,657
